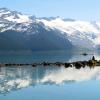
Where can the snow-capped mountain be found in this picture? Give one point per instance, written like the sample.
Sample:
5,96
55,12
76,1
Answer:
31,33
13,16
76,31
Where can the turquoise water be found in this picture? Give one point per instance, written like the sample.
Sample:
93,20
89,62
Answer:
51,82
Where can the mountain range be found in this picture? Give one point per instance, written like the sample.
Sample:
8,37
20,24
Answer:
20,32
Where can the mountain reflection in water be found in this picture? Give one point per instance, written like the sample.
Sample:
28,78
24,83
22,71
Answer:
17,78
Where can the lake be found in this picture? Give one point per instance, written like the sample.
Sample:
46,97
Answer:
50,82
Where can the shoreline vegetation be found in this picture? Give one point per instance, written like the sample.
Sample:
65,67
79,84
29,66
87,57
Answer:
78,64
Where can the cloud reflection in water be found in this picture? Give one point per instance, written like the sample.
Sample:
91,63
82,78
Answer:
17,78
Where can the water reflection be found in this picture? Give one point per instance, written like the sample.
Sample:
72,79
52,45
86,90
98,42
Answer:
59,56
15,78
12,79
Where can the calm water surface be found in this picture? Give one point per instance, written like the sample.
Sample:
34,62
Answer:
51,82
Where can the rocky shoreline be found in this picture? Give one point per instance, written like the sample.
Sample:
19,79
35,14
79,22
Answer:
78,64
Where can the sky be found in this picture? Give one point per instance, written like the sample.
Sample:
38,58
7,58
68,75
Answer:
74,9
